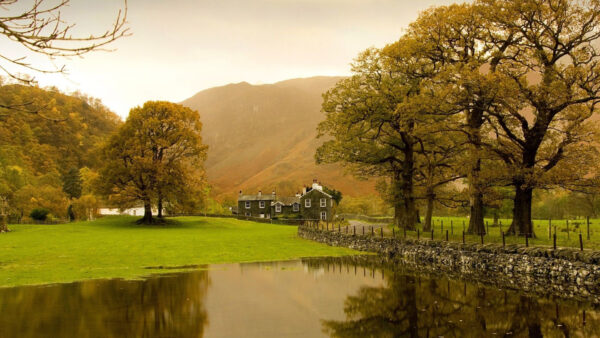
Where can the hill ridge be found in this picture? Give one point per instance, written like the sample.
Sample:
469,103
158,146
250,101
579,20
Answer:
264,136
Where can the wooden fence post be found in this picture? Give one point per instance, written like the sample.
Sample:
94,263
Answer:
418,234
381,232
451,228
554,239
580,242
372,231
568,235
393,232
463,237
446,235
503,240
432,234
482,238
526,240
587,221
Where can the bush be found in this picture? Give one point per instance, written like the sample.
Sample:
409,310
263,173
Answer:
39,214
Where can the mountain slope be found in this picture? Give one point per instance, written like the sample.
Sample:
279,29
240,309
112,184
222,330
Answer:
264,137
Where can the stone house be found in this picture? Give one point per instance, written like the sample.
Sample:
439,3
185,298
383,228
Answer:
255,205
312,203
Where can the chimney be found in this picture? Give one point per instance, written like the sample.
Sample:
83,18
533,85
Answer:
259,193
240,193
273,192
298,194
303,190
316,185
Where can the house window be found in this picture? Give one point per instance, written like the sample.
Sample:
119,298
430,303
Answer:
261,204
278,208
307,203
296,207
323,202
247,204
323,215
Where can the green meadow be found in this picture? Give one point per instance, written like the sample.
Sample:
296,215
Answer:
117,247
566,235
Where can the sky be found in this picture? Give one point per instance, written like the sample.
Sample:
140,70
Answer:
180,47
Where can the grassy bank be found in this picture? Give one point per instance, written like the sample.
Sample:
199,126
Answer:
117,247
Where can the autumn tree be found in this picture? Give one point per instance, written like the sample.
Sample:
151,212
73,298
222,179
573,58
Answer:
153,156
440,155
369,129
455,41
549,91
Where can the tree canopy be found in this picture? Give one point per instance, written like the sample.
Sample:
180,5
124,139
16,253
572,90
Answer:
498,92
156,156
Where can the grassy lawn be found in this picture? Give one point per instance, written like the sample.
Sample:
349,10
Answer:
116,247
454,225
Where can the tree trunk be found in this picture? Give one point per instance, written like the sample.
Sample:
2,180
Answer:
428,212
476,224
147,219
3,226
475,121
71,213
409,215
160,207
521,223
496,218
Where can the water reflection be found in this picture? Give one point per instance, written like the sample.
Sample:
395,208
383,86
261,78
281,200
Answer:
412,305
167,306
339,297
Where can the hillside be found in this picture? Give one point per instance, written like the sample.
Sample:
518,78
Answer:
264,137
43,136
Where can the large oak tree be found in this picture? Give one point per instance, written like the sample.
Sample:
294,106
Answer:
154,157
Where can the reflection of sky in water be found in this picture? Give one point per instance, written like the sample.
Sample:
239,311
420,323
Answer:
306,298
255,300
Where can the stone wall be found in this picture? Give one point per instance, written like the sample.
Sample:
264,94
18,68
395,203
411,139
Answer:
564,272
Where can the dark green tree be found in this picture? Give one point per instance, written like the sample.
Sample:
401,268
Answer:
72,183
335,195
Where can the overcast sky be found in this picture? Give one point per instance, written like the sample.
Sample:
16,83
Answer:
179,47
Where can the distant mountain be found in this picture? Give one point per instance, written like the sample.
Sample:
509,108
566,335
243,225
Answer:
264,137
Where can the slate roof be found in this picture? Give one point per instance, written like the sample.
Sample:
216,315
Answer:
287,200
321,191
264,197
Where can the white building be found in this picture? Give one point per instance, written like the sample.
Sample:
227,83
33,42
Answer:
135,211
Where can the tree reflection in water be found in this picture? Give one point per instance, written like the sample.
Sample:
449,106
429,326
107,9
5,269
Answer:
157,307
410,305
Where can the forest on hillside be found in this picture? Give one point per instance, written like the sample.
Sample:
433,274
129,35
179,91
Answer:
43,136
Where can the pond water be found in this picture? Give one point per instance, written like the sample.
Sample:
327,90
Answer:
341,297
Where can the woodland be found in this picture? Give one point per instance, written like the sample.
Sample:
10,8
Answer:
496,99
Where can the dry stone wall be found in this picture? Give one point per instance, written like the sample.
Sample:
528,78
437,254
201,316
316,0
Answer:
564,272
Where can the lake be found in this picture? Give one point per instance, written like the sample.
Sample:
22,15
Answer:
340,297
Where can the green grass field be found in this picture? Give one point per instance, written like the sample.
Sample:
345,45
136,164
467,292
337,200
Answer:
116,247
454,226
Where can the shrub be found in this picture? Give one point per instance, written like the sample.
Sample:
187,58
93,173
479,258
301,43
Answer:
39,214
